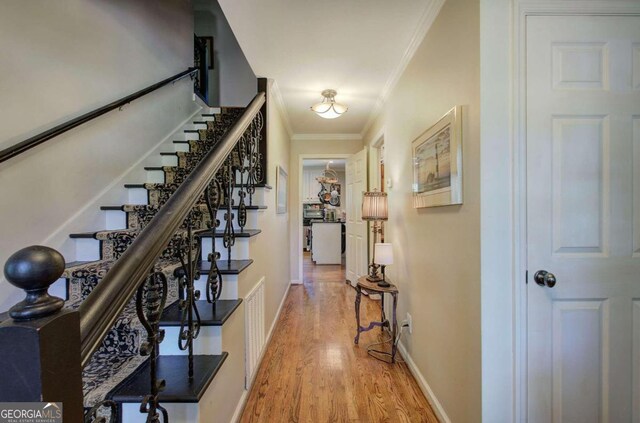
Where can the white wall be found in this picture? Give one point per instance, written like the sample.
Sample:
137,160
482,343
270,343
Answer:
59,61
232,81
437,250
301,147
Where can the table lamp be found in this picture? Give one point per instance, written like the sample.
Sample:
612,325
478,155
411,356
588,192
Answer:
375,208
384,256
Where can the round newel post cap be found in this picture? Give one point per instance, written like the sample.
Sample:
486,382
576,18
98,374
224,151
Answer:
34,269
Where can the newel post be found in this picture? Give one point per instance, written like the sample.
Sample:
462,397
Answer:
40,344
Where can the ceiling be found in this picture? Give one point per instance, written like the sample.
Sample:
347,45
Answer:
357,47
335,164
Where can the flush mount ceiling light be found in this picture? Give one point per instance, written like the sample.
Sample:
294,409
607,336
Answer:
328,108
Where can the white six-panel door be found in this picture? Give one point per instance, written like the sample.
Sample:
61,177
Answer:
357,244
583,218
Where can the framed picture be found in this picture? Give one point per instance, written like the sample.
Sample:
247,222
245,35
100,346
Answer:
437,163
281,190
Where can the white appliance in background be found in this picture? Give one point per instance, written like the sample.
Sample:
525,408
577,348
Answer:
327,243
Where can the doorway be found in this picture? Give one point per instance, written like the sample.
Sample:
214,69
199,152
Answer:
322,211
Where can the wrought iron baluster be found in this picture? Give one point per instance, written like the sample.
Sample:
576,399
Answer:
242,169
212,196
97,414
229,238
187,249
255,173
151,298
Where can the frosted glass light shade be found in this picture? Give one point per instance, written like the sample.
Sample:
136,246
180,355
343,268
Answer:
328,108
383,253
375,206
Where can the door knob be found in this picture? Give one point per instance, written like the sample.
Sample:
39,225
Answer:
544,278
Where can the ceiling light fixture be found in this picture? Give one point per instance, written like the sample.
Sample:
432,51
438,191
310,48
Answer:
328,108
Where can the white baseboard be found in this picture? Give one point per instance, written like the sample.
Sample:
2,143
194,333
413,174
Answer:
424,386
245,394
296,282
240,407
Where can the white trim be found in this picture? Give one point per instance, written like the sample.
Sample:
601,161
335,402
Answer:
424,386
279,102
245,393
424,24
326,137
296,282
299,251
240,407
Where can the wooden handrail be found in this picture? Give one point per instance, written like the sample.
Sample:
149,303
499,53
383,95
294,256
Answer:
42,137
106,302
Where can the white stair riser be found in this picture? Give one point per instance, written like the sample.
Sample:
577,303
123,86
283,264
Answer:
258,197
252,219
209,341
59,289
239,251
195,125
114,219
169,160
138,196
117,219
155,176
178,412
180,146
229,287
87,249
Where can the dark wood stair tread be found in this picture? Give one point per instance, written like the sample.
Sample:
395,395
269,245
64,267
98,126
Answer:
174,370
247,233
227,267
210,315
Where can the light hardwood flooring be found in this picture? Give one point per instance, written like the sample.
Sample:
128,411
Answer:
313,372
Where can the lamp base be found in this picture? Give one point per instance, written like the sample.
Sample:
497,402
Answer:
374,278
384,284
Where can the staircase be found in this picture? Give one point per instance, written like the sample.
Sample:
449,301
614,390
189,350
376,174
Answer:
166,346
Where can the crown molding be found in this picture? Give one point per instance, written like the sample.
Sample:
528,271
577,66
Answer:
424,24
326,137
279,102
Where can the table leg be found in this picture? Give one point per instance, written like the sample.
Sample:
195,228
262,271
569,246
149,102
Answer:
358,295
382,316
394,328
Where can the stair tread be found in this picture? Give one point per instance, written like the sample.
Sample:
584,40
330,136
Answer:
209,315
227,267
174,370
129,207
247,233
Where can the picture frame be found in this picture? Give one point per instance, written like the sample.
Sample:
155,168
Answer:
281,190
437,163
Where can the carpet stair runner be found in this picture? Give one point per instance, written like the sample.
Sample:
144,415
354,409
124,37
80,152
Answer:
117,370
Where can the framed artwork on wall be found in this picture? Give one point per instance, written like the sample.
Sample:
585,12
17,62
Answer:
437,163
281,190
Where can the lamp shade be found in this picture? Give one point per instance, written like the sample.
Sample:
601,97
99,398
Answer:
383,253
374,206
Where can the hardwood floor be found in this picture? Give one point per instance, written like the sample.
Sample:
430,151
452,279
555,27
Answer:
313,372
